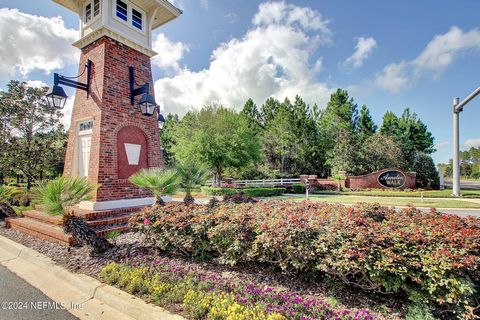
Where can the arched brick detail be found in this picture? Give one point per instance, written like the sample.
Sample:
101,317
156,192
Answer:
134,136
152,159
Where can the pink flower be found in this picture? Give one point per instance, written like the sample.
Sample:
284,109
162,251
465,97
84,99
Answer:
145,221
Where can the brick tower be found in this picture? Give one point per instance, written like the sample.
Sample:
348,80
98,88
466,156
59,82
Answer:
109,139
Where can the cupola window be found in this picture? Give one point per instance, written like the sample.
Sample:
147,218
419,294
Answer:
136,19
122,10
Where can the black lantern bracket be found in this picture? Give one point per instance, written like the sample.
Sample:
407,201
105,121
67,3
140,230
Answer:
144,89
59,79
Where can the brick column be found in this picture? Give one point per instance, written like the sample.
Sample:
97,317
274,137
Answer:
109,107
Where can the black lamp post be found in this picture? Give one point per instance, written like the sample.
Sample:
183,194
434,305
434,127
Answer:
147,103
57,97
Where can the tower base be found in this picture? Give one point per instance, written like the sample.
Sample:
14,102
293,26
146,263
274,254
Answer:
115,204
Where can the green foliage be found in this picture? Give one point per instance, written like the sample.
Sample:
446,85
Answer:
344,155
159,181
217,138
58,194
339,126
289,138
427,174
431,258
381,151
113,235
251,192
191,176
33,139
469,164
21,200
417,311
298,188
366,126
167,139
410,131
6,194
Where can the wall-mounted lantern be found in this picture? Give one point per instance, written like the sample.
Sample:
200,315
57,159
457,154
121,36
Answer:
147,103
57,97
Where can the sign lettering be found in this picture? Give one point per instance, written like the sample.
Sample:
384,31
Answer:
392,179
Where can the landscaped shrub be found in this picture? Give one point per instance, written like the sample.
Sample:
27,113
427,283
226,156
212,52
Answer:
433,258
298,188
239,198
21,200
252,192
215,296
5,209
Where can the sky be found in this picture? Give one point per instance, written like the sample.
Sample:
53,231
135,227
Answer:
389,55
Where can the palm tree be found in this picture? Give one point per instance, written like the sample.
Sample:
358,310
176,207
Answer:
159,181
63,192
191,176
5,209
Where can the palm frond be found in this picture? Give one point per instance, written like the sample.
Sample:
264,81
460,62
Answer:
63,192
159,181
6,193
191,175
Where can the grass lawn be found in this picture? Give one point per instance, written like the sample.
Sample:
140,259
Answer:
390,201
398,193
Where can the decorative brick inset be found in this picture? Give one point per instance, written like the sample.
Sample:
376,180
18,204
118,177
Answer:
135,136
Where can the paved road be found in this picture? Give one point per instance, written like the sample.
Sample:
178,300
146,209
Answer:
465,184
14,289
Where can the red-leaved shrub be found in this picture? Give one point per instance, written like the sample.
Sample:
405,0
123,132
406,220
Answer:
431,257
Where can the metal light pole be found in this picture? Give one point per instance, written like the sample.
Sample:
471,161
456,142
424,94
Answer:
457,108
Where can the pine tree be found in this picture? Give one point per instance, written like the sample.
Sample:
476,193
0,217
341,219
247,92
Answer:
366,126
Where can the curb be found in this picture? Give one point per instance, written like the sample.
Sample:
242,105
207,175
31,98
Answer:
27,263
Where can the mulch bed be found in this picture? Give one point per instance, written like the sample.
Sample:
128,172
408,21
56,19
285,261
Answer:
80,259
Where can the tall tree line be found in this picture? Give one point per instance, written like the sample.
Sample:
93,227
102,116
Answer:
469,164
32,136
295,138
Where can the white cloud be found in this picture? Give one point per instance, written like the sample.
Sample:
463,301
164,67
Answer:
471,143
32,42
363,50
442,50
393,77
283,14
169,53
36,83
442,145
67,112
204,4
439,53
273,58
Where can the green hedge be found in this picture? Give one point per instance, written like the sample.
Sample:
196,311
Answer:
252,192
298,188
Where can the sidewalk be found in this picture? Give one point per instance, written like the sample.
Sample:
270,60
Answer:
84,297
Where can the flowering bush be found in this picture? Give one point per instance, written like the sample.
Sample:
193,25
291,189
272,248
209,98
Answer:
431,257
215,296
252,192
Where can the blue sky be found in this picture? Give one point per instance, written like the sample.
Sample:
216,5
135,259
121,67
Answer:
388,54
